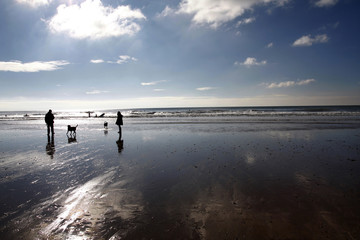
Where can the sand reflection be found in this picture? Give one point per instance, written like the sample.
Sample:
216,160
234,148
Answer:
50,146
185,184
77,204
87,208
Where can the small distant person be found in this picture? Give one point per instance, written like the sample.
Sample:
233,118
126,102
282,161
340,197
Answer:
119,120
49,119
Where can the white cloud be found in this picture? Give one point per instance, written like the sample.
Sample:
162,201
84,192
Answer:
96,92
245,21
270,45
205,88
96,61
215,12
91,19
305,82
125,58
289,83
308,40
325,3
166,12
159,90
35,3
250,61
122,59
152,83
281,84
37,66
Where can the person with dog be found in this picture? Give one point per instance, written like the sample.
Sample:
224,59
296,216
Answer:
119,120
49,120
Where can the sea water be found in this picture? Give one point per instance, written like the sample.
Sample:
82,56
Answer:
194,112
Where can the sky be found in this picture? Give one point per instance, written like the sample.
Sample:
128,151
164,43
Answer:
116,54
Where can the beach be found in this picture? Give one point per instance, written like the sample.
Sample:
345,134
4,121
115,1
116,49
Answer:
181,178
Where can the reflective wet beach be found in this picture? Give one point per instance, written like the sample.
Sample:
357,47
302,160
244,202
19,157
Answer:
180,181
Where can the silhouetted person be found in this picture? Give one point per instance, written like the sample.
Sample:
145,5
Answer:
119,121
49,119
50,147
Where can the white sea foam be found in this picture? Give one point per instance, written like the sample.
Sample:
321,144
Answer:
193,112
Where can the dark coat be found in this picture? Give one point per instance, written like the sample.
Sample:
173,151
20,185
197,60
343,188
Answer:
119,120
49,118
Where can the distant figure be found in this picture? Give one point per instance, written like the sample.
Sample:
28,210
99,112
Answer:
119,120
105,124
49,119
89,112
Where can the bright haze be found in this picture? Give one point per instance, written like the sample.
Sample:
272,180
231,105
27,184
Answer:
106,54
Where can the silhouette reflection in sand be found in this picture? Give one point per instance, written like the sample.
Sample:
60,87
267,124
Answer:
120,141
71,139
50,146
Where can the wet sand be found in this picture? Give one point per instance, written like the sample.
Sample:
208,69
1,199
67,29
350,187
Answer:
185,180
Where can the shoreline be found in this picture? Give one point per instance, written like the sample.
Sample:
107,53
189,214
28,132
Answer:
253,112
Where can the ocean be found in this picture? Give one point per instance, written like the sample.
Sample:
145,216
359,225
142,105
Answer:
254,112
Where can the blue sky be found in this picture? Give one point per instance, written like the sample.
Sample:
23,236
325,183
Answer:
106,54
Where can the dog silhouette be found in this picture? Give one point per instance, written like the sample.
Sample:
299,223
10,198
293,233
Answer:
71,129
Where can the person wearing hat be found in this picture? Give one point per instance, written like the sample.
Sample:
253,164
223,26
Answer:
49,119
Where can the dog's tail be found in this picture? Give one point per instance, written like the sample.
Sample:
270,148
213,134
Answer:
77,125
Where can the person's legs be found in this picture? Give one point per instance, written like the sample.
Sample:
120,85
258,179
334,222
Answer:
52,128
48,129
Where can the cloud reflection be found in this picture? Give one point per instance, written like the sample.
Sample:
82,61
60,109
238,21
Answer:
85,207
77,203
